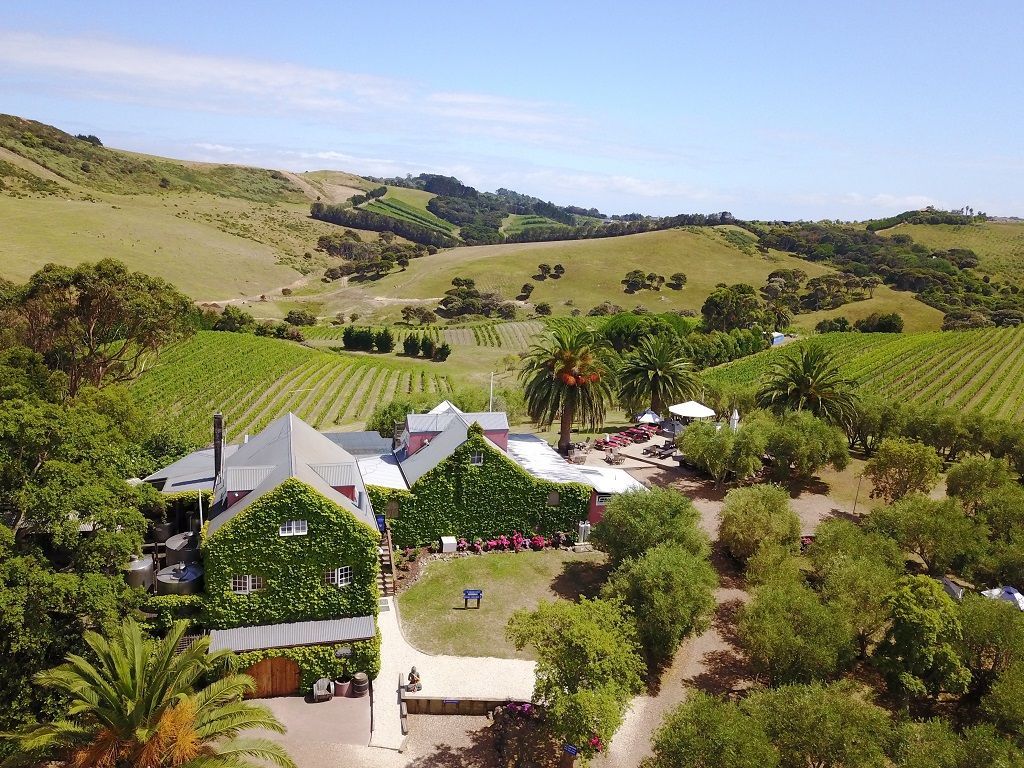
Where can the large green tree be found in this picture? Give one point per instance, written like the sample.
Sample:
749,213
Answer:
98,323
566,377
756,515
141,703
725,453
638,520
671,592
705,732
824,726
588,666
791,636
657,374
936,530
902,467
920,651
809,379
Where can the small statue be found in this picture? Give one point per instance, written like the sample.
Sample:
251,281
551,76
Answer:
414,681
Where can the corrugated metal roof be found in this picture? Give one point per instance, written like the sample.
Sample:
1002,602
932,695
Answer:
336,474
300,633
438,422
290,446
245,478
541,460
360,444
382,471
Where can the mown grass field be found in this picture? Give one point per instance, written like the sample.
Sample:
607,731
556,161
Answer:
917,316
432,609
253,380
980,369
999,245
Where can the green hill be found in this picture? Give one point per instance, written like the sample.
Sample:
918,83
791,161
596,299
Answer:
999,244
980,369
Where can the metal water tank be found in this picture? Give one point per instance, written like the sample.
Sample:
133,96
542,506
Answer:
182,548
141,572
180,579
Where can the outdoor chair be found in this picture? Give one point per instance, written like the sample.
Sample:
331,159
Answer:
323,690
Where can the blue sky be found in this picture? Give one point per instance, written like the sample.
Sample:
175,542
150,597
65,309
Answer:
788,110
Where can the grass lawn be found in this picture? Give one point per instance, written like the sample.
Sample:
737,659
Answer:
432,610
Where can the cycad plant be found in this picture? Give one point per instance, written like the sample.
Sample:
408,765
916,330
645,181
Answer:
139,705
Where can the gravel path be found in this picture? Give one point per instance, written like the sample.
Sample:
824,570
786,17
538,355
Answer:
450,677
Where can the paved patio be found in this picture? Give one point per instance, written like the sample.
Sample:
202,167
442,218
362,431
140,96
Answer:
448,677
633,456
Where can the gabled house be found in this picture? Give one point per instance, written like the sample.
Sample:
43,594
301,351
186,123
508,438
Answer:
465,474
291,556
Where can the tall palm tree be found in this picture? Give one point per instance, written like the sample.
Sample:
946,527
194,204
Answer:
139,705
655,372
565,376
809,380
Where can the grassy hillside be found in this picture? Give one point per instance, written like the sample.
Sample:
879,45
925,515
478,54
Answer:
980,369
999,245
399,207
254,380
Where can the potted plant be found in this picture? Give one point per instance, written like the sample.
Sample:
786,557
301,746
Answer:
343,685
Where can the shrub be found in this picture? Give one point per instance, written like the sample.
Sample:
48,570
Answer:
755,515
638,520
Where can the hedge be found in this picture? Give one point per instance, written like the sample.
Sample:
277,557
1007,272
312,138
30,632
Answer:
316,661
293,567
170,608
456,498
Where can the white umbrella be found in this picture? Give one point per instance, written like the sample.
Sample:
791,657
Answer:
734,420
648,417
691,410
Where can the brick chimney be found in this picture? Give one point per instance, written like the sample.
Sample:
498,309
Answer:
218,443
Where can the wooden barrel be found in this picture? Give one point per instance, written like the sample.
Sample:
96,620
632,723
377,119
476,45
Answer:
360,684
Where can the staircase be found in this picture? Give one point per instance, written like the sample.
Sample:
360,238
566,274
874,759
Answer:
386,579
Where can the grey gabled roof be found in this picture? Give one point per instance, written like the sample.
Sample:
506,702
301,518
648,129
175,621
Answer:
292,448
360,444
189,473
440,448
291,635
437,422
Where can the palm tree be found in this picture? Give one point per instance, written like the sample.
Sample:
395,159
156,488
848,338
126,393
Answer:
139,705
565,376
656,373
809,380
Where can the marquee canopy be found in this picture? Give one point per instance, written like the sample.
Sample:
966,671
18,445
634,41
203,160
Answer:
691,409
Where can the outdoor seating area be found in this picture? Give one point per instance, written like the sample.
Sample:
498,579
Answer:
664,451
641,433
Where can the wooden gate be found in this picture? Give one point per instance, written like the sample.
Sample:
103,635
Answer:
274,677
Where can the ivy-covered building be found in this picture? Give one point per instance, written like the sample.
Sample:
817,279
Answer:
460,474
291,558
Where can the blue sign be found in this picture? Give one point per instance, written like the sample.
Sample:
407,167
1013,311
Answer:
569,749
471,594
381,524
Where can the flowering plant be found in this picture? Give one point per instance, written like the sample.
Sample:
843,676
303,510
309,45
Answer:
478,545
462,545
537,542
518,540
503,542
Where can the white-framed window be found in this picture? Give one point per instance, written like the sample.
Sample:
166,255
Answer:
603,498
339,577
293,528
477,458
244,583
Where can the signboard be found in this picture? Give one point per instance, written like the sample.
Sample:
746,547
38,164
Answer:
381,524
569,749
451,701
472,594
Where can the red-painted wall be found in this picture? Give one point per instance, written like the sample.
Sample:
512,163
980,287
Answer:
595,512
233,497
346,490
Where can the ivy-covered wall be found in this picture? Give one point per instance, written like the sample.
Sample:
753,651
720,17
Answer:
293,566
316,661
456,498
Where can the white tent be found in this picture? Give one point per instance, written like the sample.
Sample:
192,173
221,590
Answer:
691,409
1009,594
648,417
